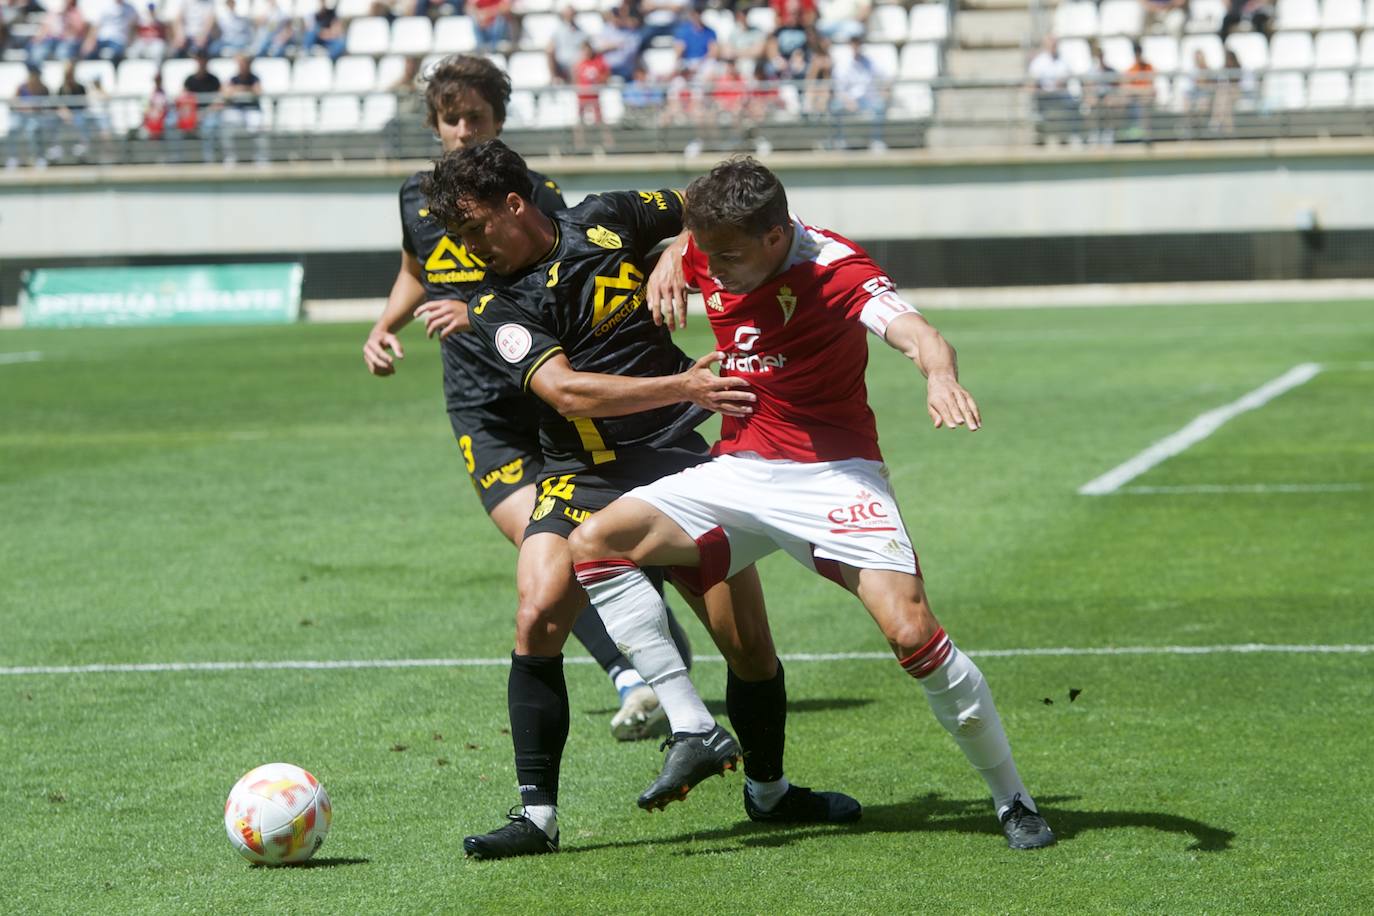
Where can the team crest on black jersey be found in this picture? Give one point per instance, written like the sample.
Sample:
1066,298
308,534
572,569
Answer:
600,235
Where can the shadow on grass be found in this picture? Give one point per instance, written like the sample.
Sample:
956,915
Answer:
933,813
322,862
818,704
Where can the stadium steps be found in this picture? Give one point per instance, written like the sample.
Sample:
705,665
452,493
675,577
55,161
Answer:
994,28
985,63
989,42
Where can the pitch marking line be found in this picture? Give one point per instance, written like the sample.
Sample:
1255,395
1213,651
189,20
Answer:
28,356
1201,427
1247,488
366,663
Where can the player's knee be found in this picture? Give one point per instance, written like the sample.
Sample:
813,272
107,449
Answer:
598,538
911,631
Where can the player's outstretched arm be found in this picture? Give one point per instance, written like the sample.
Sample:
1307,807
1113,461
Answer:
382,347
592,394
947,402
666,291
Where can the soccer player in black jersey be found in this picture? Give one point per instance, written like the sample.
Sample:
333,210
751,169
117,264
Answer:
493,421
618,405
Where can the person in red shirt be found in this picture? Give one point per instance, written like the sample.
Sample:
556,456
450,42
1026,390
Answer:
791,307
589,74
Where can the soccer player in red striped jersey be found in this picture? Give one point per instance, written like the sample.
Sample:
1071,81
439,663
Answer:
791,307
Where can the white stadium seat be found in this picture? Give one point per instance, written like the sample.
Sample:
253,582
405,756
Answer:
354,73
1364,88
369,35
1121,17
1118,53
557,108
1290,51
1342,14
928,22
412,35
661,63
1076,19
536,31
294,114
525,7
722,22
174,73
1204,16
88,72
1328,89
135,77
52,72
275,74
389,70
914,100
1077,53
1251,48
1162,53
312,74
352,9
12,76
529,70
4,119
1298,15
522,109
1369,14
612,105
1336,49
1209,45
454,35
223,67
339,113
887,23
378,109
884,57
1285,91
591,22
763,18
919,61
1367,50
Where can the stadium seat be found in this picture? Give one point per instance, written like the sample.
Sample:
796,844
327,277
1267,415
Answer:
1251,48
4,119
928,22
1076,52
354,74
339,113
88,72
557,108
584,6
1121,17
294,113
1367,50
1298,15
174,73
763,18
525,7
1162,53
1342,14
1290,51
369,35
275,74
919,61
887,23
390,69
1336,49
135,77
378,110
1369,14
498,59
612,105
1204,17
52,73
522,109
884,57
1328,89
1364,88
1284,91
536,31
1118,53
591,22
224,68
661,63
913,100
412,35
312,74
454,35
1076,19
352,9
722,22
12,75
530,70
1209,45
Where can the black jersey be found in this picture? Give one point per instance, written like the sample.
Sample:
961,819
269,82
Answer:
472,376
585,299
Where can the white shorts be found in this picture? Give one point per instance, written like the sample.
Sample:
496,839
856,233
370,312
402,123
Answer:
740,508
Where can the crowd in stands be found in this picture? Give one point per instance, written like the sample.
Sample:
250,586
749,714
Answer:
1110,67
669,61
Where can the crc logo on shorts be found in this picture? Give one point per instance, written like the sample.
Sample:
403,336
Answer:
513,342
746,362
862,517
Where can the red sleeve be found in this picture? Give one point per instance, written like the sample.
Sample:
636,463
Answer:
694,266
852,283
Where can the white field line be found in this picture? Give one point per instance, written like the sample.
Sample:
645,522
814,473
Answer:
366,663
28,356
1201,427
1247,488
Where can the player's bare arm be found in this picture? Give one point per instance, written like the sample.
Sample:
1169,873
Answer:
592,394
443,317
666,291
382,347
947,402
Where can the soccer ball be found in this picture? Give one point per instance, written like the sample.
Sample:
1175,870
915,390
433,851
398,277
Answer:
277,814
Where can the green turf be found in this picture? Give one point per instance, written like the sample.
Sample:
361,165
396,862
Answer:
238,494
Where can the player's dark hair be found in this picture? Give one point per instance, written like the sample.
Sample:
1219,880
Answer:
741,193
458,73
486,173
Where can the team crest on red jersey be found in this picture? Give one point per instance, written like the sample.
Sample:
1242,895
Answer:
713,303
788,303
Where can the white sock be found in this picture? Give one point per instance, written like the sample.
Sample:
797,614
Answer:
637,619
962,703
767,794
545,817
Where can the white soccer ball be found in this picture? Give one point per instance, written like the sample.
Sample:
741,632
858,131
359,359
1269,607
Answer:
277,814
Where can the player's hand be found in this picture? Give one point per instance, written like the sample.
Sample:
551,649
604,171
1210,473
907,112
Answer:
949,405
666,291
378,352
726,395
444,317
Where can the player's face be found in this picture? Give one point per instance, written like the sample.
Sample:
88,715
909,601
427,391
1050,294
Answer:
493,233
467,122
740,261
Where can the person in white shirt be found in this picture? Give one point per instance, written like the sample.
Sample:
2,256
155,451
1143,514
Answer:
1054,103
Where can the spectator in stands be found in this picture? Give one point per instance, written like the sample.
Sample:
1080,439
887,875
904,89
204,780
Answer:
1232,84
590,73
493,22
98,116
1102,100
1195,85
820,71
150,35
803,10
788,49
71,112
1165,15
60,36
195,30
644,100
33,121
660,17
242,111
745,41
1259,13
694,39
1139,93
236,32
155,112
199,107
860,92
565,45
1054,103
620,40
326,30
842,20
112,33
276,31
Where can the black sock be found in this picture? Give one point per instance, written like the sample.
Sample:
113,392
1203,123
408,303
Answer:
591,632
537,697
758,712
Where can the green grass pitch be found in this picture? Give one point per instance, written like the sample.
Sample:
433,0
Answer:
201,495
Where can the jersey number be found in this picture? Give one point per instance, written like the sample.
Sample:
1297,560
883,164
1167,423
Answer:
560,487
465,446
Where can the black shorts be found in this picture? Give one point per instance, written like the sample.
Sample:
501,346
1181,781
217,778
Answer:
568,494
499,444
